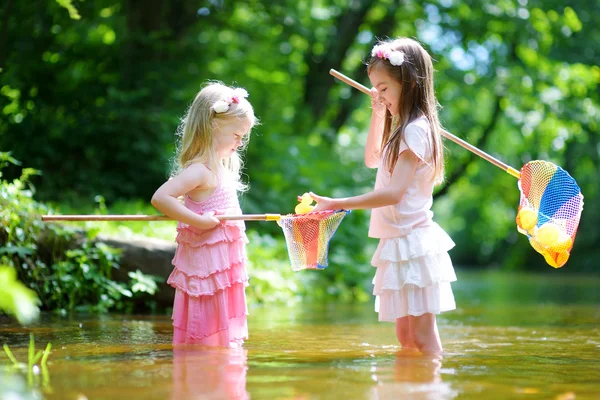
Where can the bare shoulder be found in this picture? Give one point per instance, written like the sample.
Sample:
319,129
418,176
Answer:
196,169
197,175
194,178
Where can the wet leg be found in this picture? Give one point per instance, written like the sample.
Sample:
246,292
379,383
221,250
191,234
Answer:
404,333
425,333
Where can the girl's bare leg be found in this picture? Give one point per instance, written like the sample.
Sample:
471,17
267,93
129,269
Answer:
425,333
404,333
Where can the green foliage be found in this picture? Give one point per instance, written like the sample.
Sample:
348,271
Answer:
100,97
67,269
15,298
271,278
80,274
158,229
142,283
273,281
73,13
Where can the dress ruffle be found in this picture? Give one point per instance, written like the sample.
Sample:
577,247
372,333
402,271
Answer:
196,286
203,261
215,320
421,271
414,274
420,242
414,300
226,232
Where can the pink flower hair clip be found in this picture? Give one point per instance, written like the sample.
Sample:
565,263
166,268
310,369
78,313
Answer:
395,57
222,106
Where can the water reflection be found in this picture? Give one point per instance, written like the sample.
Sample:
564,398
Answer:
500,345
412,375
209,373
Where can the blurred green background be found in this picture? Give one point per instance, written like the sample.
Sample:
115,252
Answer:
91,93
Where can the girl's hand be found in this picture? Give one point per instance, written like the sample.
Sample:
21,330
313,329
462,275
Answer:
376,104
324,203
208,221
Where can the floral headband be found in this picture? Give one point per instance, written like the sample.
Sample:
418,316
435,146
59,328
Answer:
222,106
395,57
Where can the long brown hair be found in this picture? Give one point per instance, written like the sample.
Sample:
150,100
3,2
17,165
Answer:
417,97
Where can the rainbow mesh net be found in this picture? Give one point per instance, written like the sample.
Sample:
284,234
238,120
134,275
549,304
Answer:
307,237
549,210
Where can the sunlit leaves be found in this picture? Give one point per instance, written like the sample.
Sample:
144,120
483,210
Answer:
571,20
68,4
101,96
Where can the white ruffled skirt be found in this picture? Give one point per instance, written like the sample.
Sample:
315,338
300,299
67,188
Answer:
414,274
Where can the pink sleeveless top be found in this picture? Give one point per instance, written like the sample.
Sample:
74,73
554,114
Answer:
195,255
223,201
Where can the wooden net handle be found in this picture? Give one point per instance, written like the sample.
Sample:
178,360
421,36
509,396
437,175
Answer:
507,168
72,218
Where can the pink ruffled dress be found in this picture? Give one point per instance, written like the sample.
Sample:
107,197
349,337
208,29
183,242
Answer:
210,275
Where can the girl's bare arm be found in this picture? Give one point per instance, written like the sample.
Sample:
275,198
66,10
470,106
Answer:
165,199
403,173
373,145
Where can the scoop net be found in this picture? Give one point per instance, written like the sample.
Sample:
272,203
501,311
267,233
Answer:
549,210
307,237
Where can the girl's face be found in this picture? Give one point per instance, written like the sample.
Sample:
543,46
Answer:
229,136
389,89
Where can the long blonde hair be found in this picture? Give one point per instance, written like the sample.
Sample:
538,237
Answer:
417,96
195,144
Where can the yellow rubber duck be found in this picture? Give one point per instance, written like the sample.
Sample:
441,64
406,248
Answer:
527,218
556,260
305,204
